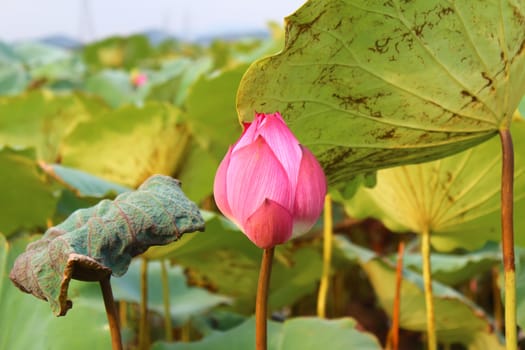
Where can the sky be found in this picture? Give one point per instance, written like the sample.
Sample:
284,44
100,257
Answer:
88,20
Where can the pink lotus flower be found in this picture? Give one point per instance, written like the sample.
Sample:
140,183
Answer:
268,184
138,78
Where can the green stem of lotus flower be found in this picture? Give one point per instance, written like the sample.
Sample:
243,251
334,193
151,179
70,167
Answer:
507,237
427,280
166,300
143,322
111,313
327,257
261,302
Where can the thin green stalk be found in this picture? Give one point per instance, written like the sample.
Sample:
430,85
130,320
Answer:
168,327
143,322
507,238
327,257
111,313
496,300
427,280
185,332
261,302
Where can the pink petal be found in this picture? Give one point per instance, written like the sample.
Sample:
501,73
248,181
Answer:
269,225
309,194
249,134
255,174
219,186
283,143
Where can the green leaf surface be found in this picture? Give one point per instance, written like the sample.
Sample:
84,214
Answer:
28,324
28,200
129,144
452,269
431,79
456,198
35,54
13,77
41,119
212,122
185,301
116,52
458,320
197,171
115,87
305,333
295,272
176,89
213,129
82,183
95,242
70,69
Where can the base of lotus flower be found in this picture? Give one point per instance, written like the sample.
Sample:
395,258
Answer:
261,302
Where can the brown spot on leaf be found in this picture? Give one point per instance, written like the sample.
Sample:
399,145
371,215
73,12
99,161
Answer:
388,134
380,45
485,76
466,93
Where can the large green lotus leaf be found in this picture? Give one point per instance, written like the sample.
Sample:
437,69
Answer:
185,301
521,107
129,144
70,69
40,119
13,78
213,129
368,85
115,87
82,183
458,320
305,333
198,171
28,324
176,89
116,52
28,200
457,198
35,54
212,121
295,273
95,242
452,269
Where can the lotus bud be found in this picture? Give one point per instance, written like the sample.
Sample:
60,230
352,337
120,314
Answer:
138,78
268,184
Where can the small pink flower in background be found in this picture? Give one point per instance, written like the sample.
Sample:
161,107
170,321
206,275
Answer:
138,78
272,187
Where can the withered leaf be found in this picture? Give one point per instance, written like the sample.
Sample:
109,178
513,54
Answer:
95,242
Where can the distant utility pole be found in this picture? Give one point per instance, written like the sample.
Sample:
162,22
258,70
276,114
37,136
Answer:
86,29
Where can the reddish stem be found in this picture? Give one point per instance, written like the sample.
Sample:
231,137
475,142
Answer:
261,303
394,331
111,313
